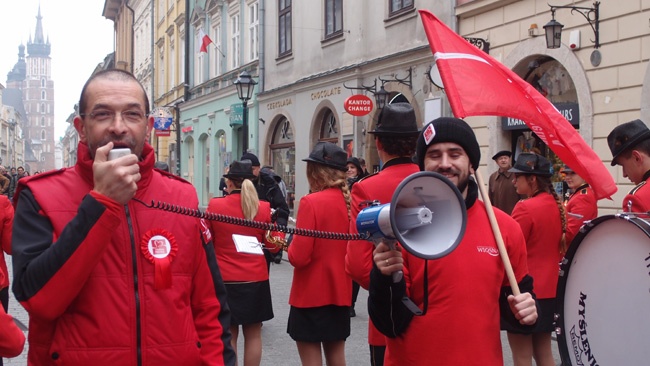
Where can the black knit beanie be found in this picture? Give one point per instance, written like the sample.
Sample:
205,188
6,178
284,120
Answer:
448,129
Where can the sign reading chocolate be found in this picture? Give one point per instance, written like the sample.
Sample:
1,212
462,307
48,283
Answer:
325,93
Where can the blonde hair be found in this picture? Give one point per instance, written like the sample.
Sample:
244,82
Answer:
250,202
321,177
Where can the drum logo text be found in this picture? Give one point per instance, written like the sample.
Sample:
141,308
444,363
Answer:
583,346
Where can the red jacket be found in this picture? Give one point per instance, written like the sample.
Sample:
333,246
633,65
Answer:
581,206
319,276
540,221
461,325
380,186
236,266
638,199
12,339
6,221
84,271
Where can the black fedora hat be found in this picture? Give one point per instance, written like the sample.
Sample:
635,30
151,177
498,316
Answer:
397,119
502,153
240,170
626,136
329,154
529,163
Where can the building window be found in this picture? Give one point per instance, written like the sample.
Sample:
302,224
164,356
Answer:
215,36
333,18
43,83
161,10
329,129
161,73
253,31
43,110
398,6
43,95
172,66
284,36
283,157
42,134
42,121
234,39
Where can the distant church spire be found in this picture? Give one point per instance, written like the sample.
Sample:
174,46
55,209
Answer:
39,47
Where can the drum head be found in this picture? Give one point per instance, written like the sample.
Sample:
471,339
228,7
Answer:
604,295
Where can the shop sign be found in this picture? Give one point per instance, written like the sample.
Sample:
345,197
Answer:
162,133
162,119
570,111
187,129
358,105
236,114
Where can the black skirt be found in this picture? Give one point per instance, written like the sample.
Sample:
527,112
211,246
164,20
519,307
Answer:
249,302
545,320
321,324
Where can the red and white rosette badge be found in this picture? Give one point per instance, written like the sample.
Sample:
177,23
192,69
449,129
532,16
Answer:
159,247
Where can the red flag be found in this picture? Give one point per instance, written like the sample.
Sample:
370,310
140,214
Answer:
479,85
204,40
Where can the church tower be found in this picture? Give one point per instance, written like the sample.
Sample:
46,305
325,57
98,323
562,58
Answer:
38,99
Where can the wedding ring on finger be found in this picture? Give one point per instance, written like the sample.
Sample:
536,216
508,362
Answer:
387,263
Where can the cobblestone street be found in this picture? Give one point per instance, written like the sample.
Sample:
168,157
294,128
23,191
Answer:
278,347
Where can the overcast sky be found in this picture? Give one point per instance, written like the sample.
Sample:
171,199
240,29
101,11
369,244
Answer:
80,38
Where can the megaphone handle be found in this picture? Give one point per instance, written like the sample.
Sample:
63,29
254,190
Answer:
397,275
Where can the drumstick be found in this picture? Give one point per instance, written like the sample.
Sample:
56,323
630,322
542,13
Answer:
497,235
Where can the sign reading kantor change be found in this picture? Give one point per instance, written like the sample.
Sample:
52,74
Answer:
358,105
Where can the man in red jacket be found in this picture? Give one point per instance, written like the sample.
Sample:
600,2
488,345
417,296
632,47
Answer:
459,294
105,279
630,147
395,138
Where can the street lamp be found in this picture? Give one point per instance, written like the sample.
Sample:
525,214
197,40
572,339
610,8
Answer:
553,29
381,97
245,85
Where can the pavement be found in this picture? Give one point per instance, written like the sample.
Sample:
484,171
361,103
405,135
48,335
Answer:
278,348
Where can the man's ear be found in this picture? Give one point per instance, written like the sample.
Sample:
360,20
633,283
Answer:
150,127
79,126
638,156
378,144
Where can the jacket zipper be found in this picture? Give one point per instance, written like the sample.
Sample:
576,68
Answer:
138,330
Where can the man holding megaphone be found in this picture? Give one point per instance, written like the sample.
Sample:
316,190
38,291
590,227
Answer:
458,295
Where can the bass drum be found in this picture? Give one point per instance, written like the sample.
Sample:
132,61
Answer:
604,294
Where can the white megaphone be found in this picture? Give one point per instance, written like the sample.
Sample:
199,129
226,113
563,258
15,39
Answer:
427,215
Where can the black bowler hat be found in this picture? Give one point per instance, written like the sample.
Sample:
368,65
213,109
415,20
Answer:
329,154
240,170
397,119
529,163
626,136
502,153
250,156
567,169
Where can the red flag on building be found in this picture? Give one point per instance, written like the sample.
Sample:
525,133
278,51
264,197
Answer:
478,85
204,41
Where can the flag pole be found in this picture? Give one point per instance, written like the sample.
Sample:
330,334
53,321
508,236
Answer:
497,235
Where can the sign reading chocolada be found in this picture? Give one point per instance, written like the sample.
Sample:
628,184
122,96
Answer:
358,105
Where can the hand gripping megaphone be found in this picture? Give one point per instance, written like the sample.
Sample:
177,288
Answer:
427,215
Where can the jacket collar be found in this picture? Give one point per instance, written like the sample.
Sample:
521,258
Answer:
84,166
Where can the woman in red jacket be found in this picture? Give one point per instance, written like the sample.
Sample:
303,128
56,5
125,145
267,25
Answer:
543,222
582,204
243,270
321,290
